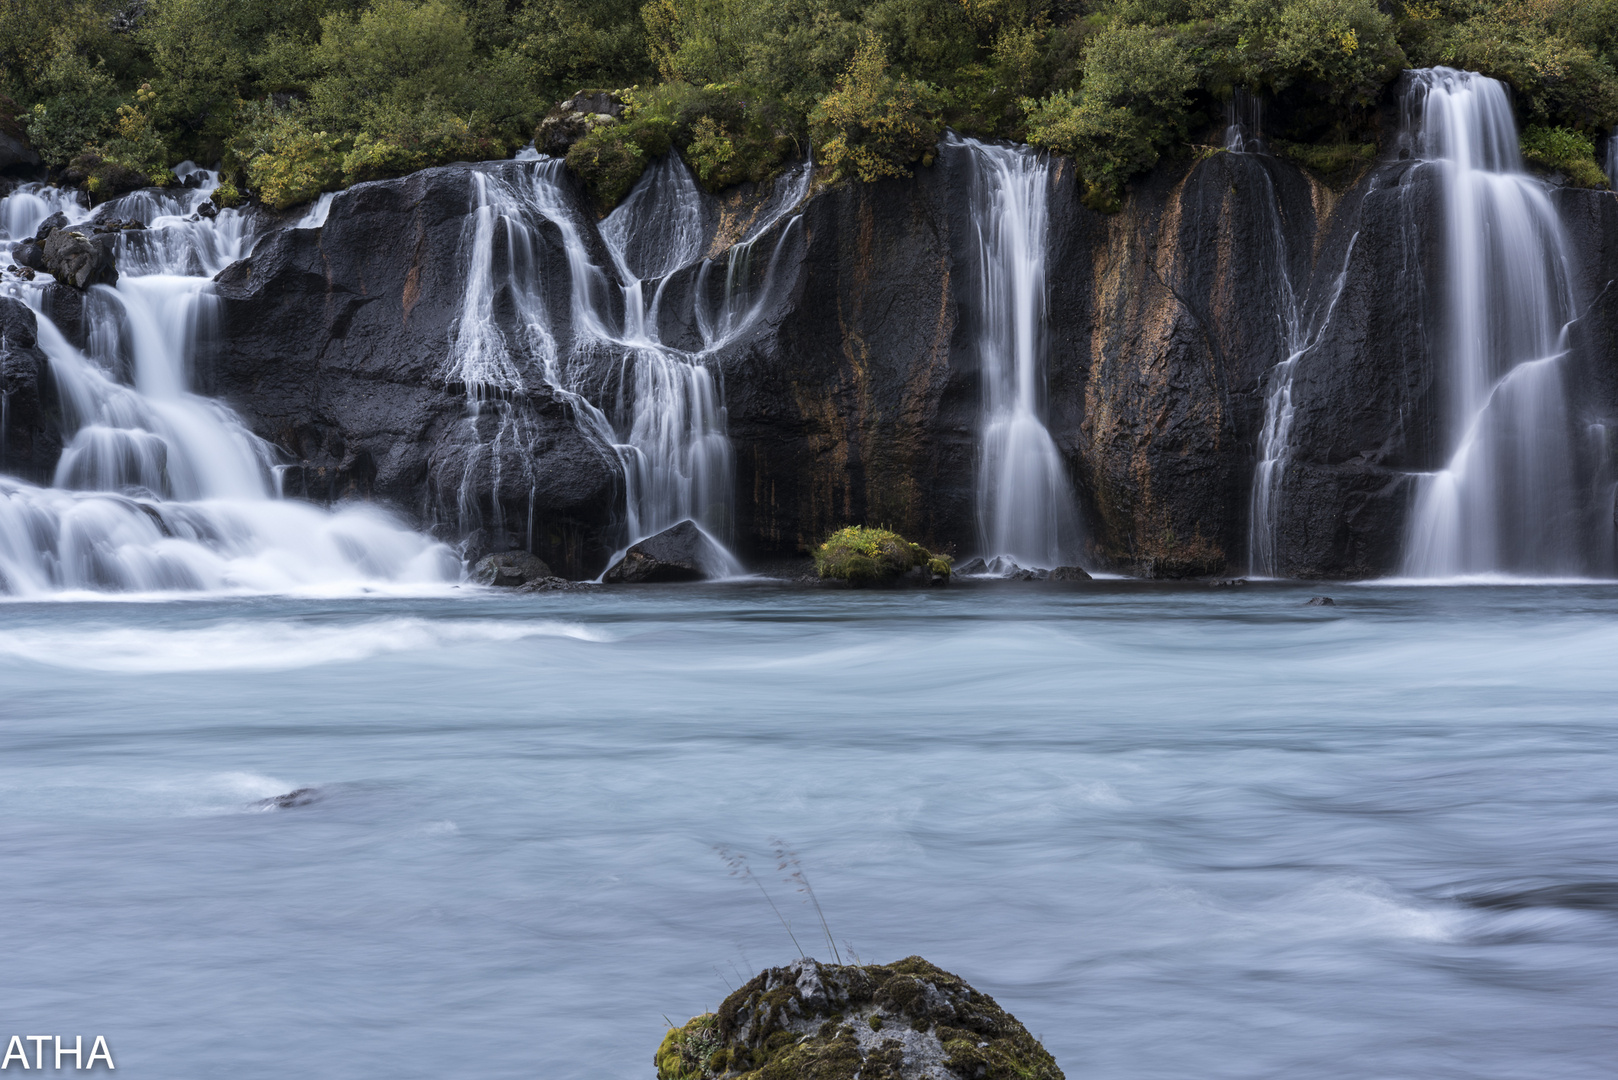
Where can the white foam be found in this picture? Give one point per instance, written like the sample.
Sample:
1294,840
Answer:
263,646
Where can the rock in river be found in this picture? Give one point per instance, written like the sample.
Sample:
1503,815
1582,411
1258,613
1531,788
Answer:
903,1021
681,552
79,260
510,569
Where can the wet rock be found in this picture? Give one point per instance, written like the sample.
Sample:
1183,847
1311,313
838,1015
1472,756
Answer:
207,209
681,552
971,567
509,569
1321,601
903,1021
1227,583
1071,573
56,221
24,272
30,255
556,584
301,797
79,260
31,439
332,347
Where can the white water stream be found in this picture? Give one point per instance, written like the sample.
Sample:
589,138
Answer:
158,489
1026,512
663,411
1506,501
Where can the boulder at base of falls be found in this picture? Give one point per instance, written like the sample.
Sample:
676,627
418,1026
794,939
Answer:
681,552
81,261
508,569
31,437
903,1021
1070,573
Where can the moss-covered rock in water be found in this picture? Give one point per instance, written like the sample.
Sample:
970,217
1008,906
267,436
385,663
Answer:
864,556
811,1021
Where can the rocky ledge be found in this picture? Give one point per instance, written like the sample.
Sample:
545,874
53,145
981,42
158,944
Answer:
811,1021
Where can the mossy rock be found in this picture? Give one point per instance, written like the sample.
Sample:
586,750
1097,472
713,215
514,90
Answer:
862,556
907,1020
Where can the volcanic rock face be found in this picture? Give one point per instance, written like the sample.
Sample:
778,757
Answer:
903,1021
332,346
854,395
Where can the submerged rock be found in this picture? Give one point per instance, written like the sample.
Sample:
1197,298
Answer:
902,1021
79,260
681,552
509,569
301,797
1321,601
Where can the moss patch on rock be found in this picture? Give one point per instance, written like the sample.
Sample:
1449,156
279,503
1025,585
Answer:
814,1021
863,556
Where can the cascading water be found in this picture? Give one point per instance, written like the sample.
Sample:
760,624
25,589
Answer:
1612,158
1298,335
1506,502
1026,512
670,434
156,488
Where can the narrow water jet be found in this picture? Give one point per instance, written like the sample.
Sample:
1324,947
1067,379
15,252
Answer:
660,408
1507,500
1025,508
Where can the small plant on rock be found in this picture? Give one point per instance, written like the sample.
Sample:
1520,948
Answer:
865,556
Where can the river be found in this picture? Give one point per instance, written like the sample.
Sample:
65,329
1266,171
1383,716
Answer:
1176,830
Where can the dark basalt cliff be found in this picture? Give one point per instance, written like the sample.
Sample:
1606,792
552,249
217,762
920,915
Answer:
332,346
854,397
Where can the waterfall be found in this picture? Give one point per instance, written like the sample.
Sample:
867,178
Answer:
1026,512
1612,158
665,415
1507,500
159,489
1297,335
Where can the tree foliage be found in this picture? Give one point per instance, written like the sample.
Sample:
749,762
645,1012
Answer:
299,96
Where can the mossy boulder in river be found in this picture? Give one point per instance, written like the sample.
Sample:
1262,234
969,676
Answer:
863,556
811,1021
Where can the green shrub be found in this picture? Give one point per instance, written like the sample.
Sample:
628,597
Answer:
728,133
874,124
76,105
1556,149
135,144
226,195
574,43
284,160
864,556
1131,106
611,158
1326,158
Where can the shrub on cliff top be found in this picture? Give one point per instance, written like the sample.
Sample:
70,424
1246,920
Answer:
874,124
1132,105
864,556
1556,149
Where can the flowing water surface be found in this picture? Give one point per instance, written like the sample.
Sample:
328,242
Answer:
1177,831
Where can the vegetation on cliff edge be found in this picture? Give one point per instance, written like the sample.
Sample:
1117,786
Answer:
300,96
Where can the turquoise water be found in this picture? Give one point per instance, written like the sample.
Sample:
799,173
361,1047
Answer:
1178,831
